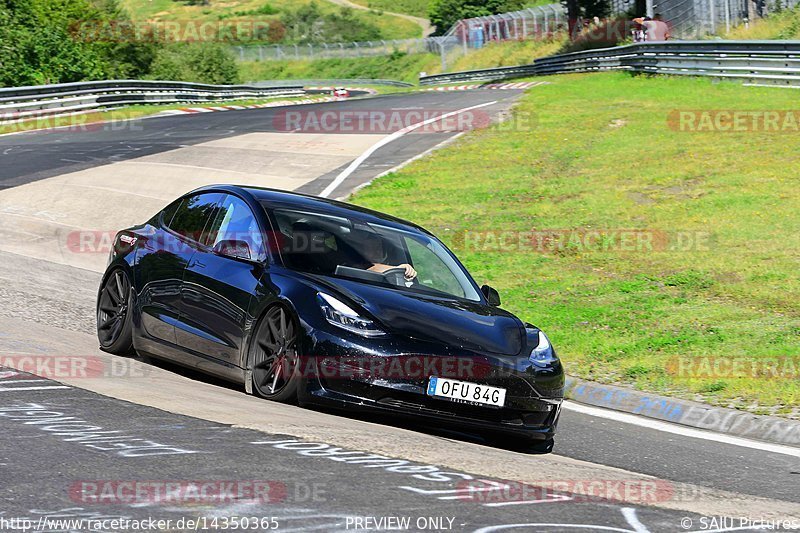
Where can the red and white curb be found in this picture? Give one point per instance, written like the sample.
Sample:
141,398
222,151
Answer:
491,86
213,109
360,89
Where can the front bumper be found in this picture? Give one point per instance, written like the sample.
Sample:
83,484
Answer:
391,375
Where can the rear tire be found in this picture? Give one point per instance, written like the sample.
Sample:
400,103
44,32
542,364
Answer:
114,314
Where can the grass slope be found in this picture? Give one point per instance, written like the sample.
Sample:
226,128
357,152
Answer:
398,67
417,8
603,157
403,67
506,54
254,10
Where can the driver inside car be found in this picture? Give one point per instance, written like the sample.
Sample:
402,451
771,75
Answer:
373,252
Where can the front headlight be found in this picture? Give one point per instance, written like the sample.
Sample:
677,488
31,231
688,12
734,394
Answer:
341,315
543,355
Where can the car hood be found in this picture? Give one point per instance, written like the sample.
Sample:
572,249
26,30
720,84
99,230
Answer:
461,324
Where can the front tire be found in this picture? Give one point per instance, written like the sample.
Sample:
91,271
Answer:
114,314
274,357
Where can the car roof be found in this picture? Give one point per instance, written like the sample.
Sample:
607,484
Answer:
277,199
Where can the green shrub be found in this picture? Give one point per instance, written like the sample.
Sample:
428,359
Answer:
36,45
59,41
715,386
196,62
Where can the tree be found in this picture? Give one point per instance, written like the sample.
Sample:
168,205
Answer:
445,13
577,9
56,41
37,45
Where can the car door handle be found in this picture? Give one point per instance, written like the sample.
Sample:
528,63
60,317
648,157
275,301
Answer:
196,263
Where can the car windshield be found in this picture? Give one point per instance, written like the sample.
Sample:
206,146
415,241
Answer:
372,253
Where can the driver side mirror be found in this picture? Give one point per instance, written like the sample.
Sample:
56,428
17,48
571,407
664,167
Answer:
233,248
492,296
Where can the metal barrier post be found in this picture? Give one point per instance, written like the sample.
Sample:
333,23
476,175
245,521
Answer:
556,15
713,16
727,16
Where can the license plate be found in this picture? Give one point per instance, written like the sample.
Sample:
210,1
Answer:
466,392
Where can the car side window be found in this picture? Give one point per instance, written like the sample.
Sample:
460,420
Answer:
169,211
235,231
433,272
193,214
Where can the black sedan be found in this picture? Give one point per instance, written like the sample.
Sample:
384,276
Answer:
314,301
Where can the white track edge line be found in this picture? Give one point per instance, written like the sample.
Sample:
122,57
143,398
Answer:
676,429
383,142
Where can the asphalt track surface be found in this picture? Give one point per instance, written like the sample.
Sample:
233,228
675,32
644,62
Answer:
40,469
302,492
32,156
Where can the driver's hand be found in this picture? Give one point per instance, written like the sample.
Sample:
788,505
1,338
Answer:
410,272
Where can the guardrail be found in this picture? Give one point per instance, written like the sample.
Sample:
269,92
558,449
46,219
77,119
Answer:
754,62
487,74
20,103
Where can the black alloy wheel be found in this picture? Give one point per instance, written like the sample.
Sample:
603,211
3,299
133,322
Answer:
274,356
114,329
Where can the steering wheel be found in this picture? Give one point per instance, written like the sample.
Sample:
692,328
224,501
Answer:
395,276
